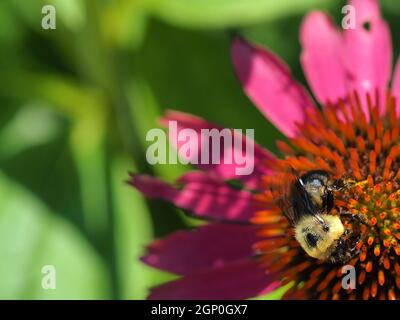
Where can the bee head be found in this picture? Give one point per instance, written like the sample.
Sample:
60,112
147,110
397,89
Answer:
316,185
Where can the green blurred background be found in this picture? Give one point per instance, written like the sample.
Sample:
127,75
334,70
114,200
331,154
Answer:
76,103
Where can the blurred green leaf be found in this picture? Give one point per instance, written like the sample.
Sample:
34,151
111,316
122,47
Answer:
392,6
142,98
133,232
124,22
32,237
195,75
71,12
228,13
10,31
29,12
33,124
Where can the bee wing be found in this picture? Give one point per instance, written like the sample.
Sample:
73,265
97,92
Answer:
293,200
283,194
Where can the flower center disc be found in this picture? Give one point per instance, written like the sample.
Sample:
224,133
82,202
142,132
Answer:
358,142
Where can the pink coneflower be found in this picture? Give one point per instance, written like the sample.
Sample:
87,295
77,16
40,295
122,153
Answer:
249,249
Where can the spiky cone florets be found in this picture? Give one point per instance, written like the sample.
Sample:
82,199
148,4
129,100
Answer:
361,147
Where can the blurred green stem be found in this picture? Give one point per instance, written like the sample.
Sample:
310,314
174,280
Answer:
98,62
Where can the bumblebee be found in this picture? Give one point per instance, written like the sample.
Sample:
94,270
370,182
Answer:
307,206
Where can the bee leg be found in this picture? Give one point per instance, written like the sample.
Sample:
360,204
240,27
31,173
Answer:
337,185
339,256
340,184
355,217
352,252
344,252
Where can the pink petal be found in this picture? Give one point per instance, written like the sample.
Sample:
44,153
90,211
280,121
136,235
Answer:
368,52
209,246
322,57
204,196
222,169
396,85
237,281
270,85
